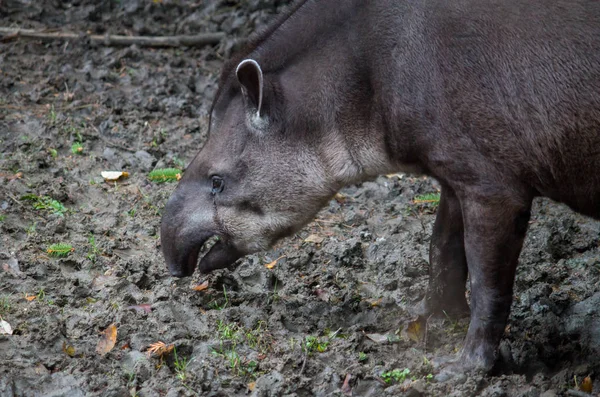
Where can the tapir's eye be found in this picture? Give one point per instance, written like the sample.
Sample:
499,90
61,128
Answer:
217,184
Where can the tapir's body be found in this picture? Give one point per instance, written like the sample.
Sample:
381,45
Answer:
498,100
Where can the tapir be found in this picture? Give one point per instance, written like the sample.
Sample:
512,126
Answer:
499,101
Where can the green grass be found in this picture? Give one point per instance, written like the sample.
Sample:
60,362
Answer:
362,356
94,251
60,250
313,344
4,306
181,364
53,153
2,218
45,203
433,198
165,175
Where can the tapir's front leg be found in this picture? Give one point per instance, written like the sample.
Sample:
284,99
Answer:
494,231
447,260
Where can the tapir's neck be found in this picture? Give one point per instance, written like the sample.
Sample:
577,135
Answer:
326,64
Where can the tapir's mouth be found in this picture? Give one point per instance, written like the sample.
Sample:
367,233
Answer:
213,253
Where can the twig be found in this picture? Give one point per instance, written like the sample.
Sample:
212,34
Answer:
198,40
303,364
577,393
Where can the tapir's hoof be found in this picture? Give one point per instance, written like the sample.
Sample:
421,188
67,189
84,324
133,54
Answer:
455,369
428,306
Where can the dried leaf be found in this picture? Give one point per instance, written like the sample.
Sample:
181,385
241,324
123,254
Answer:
340,198
390,176
30,297
159,349
251,386
377,338
586,385
201,287
313,238
271,265
143,308
108,340
416,329
114,175
68,349
5,328
125,346
375,302
346,388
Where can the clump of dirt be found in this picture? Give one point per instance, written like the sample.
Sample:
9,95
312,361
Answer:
329,315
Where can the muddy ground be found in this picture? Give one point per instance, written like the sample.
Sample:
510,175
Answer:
336,304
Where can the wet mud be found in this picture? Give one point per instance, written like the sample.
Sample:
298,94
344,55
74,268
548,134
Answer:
327,312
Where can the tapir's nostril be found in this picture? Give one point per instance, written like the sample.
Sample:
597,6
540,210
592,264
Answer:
178,272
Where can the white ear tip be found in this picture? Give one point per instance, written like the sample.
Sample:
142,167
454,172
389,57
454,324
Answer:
247,61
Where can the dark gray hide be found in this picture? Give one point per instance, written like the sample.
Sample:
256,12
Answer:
497,100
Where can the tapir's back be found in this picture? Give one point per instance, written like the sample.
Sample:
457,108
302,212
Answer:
521,79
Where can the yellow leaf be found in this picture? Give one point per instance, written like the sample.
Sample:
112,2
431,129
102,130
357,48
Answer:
374,302
108,340
586,385
200,287
313,238
271,265
251,386
68,349
416,329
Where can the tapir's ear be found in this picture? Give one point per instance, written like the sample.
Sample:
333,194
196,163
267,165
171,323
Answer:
250,76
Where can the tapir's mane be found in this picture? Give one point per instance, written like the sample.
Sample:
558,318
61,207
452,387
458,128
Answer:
253,43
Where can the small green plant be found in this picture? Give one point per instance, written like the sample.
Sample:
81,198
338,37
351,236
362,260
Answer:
4,306
77,148
53,153
314,344
45,203
180,366
2,218
362,356
396,375
94,251
179,162
227,331
52,115
60,250
31,228
131,212
165,175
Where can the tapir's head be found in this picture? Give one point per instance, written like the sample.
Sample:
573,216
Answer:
259,177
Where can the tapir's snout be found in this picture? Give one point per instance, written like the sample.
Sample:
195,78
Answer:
186,226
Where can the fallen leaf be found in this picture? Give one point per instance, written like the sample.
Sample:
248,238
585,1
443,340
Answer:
114,175
143,308
5,328
251,386
68,349
390,176
125,346
201,287
346,388
586,385
374,302
416,329
108,340
340,198
159,349
30,297
377,338
313,238
271,265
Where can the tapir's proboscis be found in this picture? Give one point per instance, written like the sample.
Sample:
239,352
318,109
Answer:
499,101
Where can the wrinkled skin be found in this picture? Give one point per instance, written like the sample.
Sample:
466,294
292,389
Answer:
499,101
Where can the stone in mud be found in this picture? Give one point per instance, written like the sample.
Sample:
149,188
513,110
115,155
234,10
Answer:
269,385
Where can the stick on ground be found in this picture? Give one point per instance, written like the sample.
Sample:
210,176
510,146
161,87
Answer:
198,40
